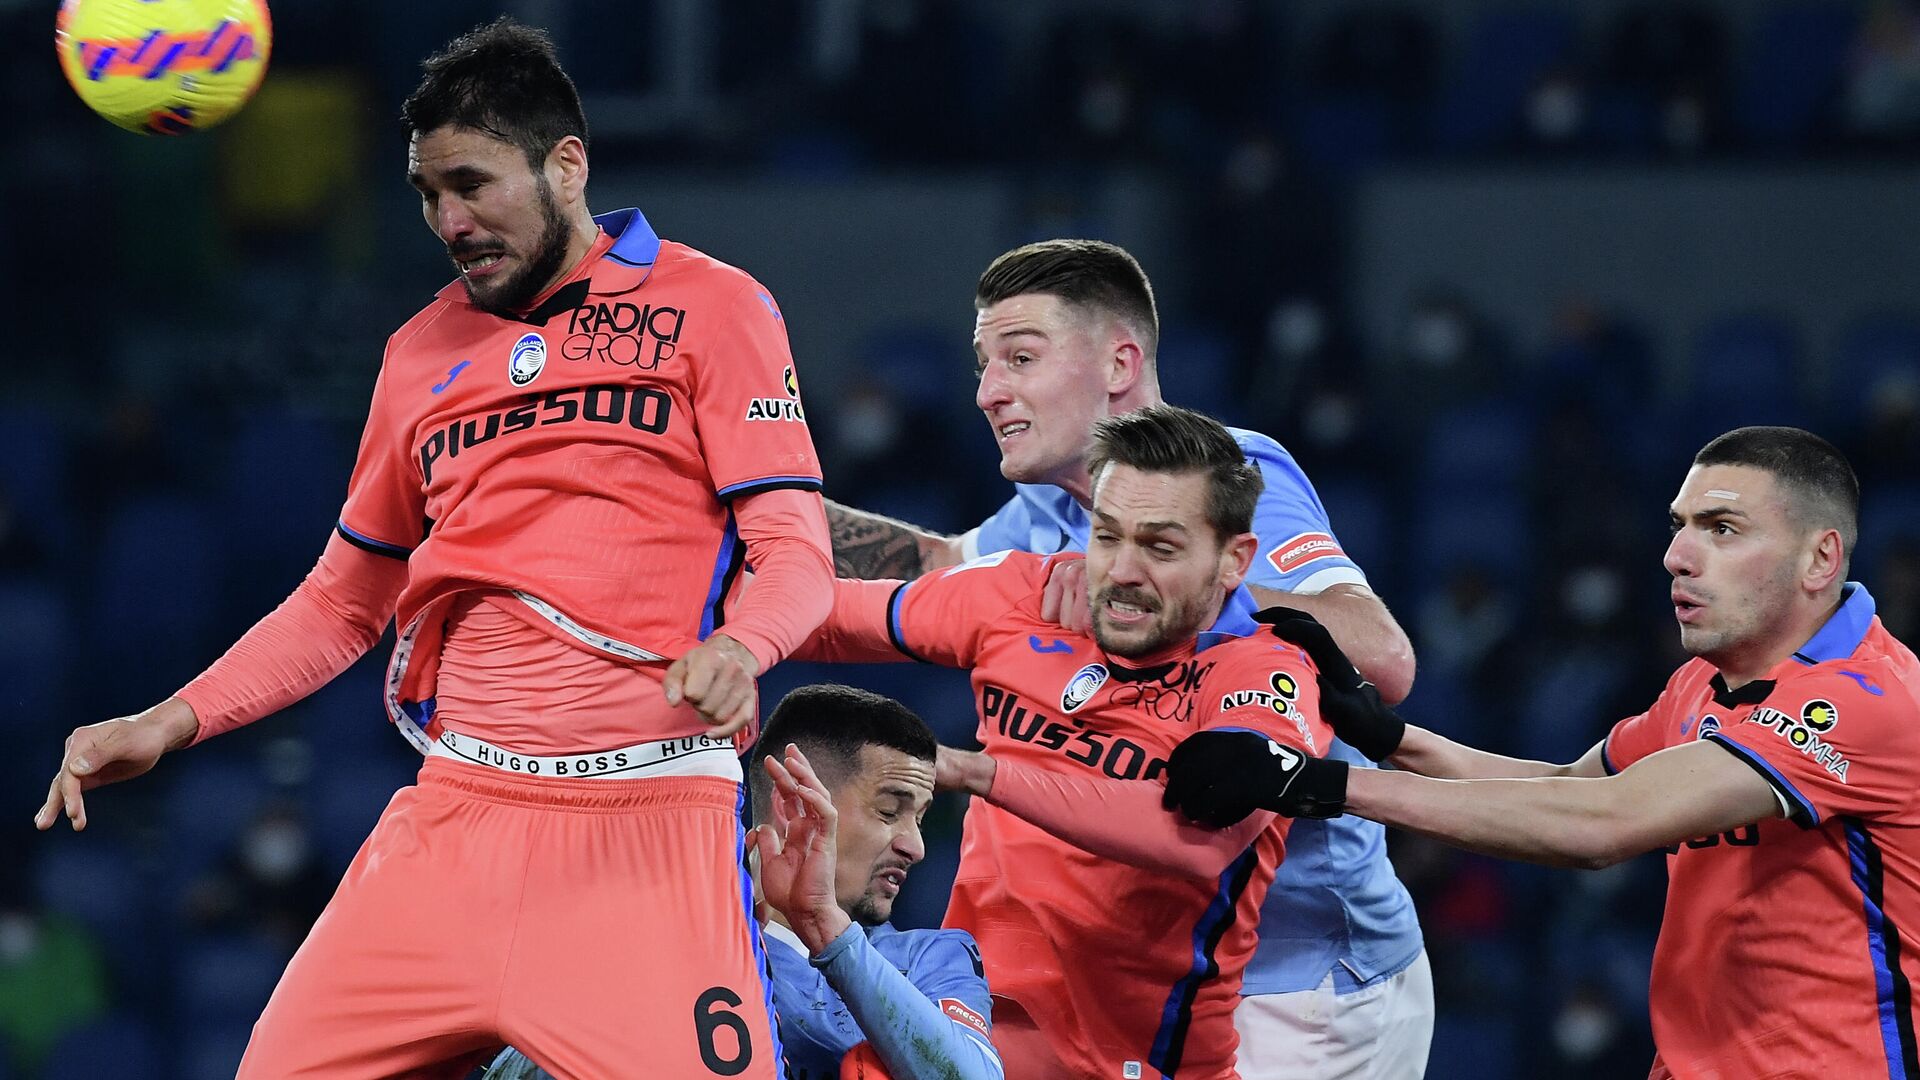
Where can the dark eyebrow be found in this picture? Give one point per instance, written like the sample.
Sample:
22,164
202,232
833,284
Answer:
1701,517
455,176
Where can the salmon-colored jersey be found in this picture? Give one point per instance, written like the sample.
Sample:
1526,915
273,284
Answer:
1787,946
1127,972
581,460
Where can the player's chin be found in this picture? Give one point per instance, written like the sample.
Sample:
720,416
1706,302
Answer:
872,909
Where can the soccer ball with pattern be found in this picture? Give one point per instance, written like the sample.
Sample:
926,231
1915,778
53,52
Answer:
164,67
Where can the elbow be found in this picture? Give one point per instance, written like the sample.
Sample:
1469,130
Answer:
1394,670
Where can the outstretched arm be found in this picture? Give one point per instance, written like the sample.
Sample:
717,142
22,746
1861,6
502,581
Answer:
330,621
1123,820
1698,789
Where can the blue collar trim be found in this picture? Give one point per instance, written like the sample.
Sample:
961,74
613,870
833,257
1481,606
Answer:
1844,631
634,241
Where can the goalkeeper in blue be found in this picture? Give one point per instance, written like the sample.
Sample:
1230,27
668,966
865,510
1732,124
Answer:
841,780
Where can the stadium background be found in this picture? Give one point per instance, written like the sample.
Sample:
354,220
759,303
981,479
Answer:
1492,272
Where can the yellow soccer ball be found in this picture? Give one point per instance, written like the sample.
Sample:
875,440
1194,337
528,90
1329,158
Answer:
164,67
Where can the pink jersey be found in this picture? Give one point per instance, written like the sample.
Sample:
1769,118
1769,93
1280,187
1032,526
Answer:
1126,971
581,462
1785,948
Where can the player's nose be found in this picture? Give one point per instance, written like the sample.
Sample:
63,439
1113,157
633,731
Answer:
909,845
992,391
452,221
1682,559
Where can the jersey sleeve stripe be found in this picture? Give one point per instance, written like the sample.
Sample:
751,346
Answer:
1606,756
725,566
1884,946
1323,580
768,483
893,623
368,543
1169,1043
1803,815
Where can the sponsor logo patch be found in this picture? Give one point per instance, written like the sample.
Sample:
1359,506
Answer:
1085,683
790,381
1820,715
1279,699
1303,549
528,357
779,410
955,1009
1804,737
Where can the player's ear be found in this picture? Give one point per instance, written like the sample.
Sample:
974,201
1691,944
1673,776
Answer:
1826,562
1126,362
566,168
1236,558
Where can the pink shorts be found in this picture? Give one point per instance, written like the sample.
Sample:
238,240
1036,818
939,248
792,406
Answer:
603,927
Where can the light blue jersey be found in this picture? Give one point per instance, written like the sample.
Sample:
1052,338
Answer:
1335,905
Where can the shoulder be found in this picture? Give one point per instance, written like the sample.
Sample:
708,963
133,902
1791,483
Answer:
1876,690
930,954
691,268
438,311
1259,651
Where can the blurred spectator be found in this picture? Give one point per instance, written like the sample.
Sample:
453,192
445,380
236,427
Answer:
51,976
1446,354
272,884
1883,80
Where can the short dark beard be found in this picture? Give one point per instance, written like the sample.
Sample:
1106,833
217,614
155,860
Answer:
1167,633
866,912
516,295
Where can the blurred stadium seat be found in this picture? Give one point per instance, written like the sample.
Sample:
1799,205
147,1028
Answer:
1505,53
118,1047
1793,71
225,980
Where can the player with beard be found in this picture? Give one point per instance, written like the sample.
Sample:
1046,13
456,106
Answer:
1114,933
566,454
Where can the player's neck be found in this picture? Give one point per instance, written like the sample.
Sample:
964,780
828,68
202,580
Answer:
1806,621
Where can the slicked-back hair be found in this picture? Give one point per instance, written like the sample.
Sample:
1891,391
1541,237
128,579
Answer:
1086,274
830,723
503,79
1821,485
1170,439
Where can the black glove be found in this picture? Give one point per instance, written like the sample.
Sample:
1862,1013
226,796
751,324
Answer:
1216,778
1348,703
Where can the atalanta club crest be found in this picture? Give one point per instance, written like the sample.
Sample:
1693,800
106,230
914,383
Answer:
528,357
1080,689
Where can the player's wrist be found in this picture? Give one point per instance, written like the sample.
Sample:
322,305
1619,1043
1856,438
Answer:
819,929
965,770
174,721
737,651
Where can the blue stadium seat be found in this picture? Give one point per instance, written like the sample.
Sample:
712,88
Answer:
210,1050
1473,1047
154,589
1794,69
1487,444
1871,348
922,366
344,804
209,802
1362,519
1889,518
1505,53
1197,369
1346,132
36,650
286,476
121,1047
226,978
1486,528
33,443
1745,370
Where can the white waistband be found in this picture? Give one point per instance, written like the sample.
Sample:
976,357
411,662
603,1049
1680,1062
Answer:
694,755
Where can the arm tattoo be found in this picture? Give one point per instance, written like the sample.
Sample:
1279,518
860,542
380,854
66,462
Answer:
870,546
